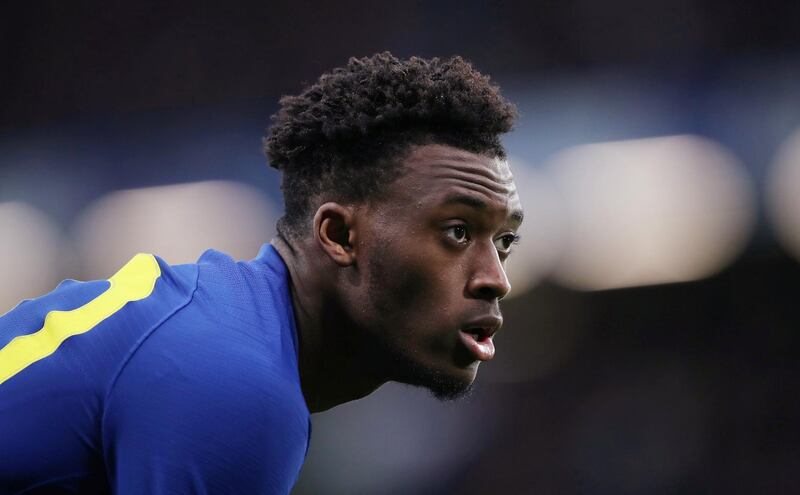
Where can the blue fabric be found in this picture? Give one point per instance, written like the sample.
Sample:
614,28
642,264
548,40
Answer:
194,389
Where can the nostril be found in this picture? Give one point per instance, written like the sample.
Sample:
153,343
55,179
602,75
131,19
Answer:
489,292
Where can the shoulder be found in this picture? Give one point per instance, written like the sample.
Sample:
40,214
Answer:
207,395
235,334
78,320
59,354
233,346
244,303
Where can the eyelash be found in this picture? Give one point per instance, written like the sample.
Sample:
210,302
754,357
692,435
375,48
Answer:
514,237
514,240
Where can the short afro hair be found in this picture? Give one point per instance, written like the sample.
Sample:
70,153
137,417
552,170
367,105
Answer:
344,137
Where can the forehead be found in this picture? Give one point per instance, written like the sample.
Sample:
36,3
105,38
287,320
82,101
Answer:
434,173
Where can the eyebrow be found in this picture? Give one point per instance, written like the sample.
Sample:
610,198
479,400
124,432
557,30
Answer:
479,204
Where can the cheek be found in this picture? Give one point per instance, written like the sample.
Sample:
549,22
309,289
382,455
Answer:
413,289
395,287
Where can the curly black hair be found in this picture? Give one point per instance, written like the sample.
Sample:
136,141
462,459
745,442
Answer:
344,137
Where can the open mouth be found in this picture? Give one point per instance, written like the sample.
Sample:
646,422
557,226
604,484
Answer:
479,342
479,334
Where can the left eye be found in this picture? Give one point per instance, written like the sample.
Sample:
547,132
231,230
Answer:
504,242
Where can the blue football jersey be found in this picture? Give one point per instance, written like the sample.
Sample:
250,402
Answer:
162,379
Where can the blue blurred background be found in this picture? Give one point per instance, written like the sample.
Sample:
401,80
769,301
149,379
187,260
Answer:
651,343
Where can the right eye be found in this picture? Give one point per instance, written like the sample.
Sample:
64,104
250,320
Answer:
457,233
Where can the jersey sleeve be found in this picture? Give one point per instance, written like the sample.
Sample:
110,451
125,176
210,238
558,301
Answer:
43,420
59,354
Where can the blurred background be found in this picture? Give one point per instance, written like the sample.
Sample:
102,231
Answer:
651,343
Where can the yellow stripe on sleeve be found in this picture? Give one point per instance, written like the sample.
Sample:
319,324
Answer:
134,281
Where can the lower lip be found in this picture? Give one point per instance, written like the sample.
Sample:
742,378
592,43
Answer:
482,350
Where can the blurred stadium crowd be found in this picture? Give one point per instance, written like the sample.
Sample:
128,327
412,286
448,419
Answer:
651,339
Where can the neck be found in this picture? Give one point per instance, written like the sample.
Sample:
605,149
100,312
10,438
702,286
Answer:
333,368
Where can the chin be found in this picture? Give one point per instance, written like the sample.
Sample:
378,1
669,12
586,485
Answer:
447,390
445,385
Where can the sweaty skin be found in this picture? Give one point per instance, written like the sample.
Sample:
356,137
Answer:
385,291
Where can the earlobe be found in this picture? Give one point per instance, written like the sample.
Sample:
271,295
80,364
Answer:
334,232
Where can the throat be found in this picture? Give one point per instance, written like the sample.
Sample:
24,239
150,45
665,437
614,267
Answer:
337,365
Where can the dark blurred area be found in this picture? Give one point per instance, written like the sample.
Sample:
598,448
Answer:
60,59
682,377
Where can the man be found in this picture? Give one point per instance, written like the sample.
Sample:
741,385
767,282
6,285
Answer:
388,265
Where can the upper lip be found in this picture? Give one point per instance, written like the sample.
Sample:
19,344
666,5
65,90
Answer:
485,325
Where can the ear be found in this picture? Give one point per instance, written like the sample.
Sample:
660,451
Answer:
334,232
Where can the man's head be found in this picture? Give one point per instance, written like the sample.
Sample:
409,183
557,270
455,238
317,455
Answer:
394,176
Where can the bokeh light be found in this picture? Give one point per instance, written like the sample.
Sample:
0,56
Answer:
30,251
783,194
649,211
176,222
539,246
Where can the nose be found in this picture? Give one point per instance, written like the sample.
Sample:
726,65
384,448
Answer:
489,280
